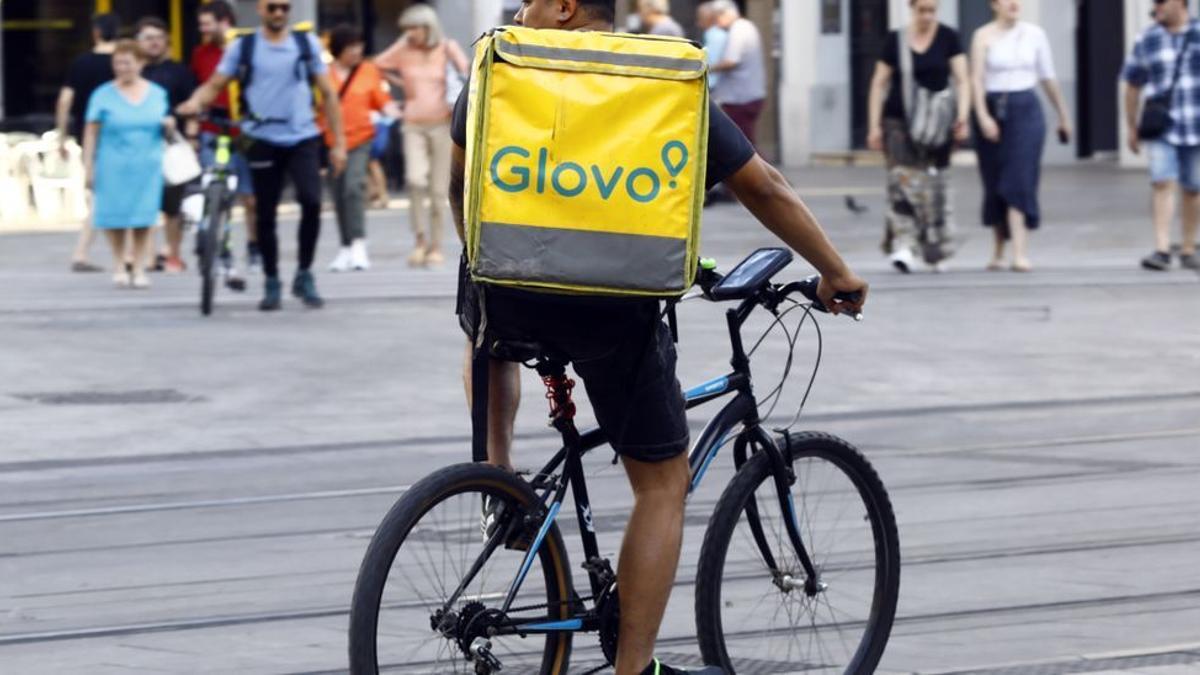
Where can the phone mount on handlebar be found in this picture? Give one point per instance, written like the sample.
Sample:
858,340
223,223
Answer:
751,275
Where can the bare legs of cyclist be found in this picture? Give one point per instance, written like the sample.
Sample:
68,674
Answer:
650,549
504,396
649,556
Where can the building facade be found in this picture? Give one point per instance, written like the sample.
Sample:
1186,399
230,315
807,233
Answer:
821,54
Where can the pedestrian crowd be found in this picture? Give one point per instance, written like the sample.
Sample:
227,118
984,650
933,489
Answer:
321,115
929,95
318,114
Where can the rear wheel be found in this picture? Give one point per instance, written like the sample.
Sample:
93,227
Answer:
420,554
208,243
751,616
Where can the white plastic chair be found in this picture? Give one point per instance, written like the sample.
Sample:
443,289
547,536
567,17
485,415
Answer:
57,181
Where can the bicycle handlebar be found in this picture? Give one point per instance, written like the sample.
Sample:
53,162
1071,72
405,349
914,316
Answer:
808,288
771,294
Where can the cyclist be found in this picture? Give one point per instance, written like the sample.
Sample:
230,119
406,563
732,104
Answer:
214,21
624,354
278,73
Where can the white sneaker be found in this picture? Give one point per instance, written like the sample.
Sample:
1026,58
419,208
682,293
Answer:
358,255
902,260
342,262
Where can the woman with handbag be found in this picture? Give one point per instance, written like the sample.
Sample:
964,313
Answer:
360,92
123,155
918,106
1010,58
430,69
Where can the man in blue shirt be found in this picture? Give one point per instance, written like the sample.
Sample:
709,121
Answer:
285,141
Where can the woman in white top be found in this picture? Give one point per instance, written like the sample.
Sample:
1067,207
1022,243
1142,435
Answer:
1009,59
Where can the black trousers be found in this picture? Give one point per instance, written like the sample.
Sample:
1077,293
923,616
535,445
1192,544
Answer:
270,165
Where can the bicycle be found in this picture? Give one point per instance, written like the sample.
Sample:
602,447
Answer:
467,601
209,210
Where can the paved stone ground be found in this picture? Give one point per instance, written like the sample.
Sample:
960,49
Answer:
180,494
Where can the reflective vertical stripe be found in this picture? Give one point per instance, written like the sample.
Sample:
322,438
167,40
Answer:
581,259
594,56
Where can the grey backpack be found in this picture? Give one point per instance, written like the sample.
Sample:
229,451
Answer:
930,114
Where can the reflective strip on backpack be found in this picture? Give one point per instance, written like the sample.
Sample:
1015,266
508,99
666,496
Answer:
550,257
593,56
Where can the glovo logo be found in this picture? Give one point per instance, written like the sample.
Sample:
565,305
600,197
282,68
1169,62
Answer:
515,170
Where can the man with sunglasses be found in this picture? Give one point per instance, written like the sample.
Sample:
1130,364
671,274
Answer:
277,76
1165,65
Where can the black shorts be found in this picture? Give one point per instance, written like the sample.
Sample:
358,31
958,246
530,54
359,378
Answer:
172,199
619,347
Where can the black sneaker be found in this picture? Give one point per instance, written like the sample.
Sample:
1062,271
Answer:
1190,261
1157,261
272,295
656,667
304,286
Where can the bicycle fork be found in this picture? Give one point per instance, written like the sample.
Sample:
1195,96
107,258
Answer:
784,476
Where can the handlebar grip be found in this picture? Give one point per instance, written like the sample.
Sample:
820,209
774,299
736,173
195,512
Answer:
808,288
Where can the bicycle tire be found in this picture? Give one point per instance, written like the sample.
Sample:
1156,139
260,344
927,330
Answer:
392,534
712,574
209,242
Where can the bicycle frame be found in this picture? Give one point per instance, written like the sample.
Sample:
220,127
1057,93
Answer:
552,486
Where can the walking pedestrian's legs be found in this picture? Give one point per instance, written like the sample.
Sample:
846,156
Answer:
82,245
417,167
1020,239
350,196
439,187
116,241
1191,221
266,167
1163,212
304,168
141,252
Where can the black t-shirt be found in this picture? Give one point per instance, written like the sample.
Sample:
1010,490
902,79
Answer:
84,76
728,148
931,69
176,78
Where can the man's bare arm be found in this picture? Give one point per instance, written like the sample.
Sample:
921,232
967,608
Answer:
205,95
767,194
458,178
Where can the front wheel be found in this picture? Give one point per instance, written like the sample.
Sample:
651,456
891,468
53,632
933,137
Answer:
750,615
208,243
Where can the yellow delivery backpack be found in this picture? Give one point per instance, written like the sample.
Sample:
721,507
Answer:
585,159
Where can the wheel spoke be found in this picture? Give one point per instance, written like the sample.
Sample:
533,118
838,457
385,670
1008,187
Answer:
829,629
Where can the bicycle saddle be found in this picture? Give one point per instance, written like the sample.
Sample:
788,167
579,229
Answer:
524,351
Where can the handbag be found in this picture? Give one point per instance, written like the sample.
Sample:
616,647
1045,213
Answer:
454,79
930,113
180,164
1156,113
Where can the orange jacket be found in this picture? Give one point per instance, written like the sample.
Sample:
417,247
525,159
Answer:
366,94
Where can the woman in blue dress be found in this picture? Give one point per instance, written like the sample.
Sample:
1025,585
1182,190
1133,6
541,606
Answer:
127,120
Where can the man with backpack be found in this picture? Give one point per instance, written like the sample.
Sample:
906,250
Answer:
619,346
278,71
